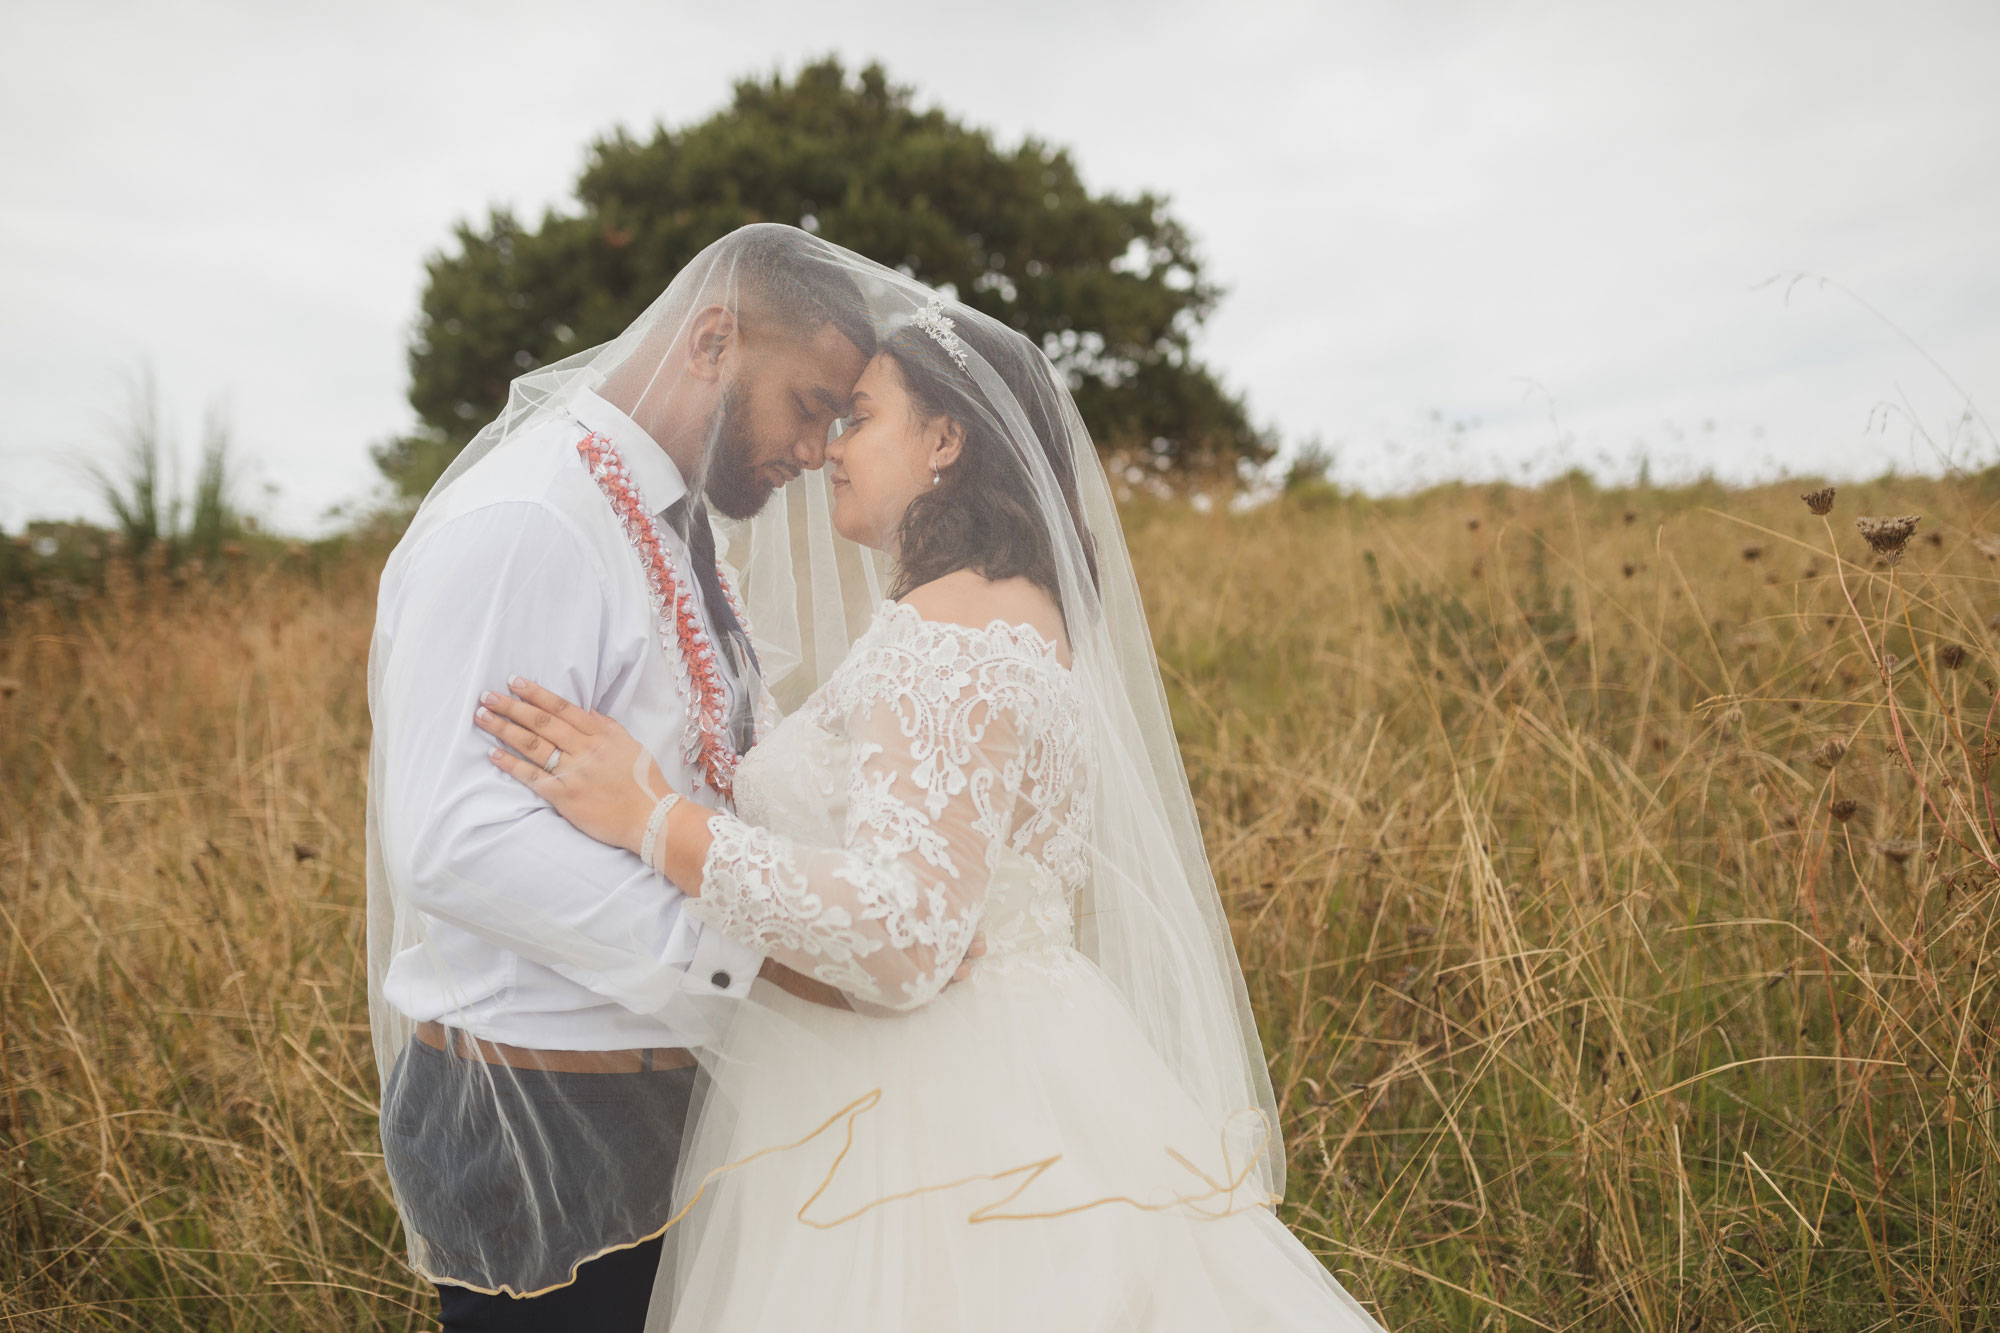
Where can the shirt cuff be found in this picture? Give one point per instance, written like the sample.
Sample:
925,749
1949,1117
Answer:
721,966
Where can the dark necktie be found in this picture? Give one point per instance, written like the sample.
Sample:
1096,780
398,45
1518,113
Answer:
689,518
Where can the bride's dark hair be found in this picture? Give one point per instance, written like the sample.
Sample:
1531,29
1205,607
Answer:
984,514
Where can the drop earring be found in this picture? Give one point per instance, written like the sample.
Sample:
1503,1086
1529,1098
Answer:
935,479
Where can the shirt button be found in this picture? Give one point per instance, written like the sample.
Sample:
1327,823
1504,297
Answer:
720,981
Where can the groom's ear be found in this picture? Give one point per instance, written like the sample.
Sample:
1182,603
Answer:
712,337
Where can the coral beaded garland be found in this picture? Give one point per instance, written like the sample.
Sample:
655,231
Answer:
705,743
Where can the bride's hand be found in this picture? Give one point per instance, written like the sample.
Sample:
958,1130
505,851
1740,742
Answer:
604,782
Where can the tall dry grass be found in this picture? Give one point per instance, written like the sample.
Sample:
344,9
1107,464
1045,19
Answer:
1623,937
187,1106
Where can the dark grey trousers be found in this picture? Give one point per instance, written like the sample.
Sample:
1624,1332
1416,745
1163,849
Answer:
511,1177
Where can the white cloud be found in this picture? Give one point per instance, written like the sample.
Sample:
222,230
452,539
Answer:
1416,208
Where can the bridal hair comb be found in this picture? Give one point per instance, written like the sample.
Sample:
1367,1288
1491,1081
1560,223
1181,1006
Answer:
933,320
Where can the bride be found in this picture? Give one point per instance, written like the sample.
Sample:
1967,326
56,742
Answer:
1079,1134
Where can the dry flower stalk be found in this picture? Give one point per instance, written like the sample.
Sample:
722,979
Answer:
1888,536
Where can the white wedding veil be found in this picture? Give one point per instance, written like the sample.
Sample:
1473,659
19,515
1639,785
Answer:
1148,918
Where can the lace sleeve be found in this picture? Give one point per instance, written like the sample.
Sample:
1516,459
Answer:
938,732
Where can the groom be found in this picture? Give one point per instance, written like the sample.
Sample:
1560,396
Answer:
543,992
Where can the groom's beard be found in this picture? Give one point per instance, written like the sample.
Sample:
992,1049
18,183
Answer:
733,486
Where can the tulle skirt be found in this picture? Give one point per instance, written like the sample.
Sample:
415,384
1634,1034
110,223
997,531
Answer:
1012,1157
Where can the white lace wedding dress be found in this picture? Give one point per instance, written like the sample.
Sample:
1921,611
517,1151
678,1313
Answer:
1004,1153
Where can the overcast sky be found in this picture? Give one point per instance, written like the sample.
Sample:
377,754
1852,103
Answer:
1458,239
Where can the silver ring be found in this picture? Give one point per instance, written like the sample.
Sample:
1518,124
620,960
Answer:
555,757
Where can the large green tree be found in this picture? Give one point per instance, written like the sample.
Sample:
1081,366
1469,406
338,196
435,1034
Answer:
1109,285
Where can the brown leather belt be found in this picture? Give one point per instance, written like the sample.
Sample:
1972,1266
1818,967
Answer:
647,1059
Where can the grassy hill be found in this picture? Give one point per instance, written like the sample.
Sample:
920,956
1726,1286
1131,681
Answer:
1616,874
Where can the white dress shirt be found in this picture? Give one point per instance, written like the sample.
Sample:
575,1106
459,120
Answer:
528,931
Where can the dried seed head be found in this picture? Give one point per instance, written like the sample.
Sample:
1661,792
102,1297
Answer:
1472,523
1843,809
1752,551
1888,536
9,687
1898,850
1631,516
1987,546
1830,752
1630,569
1951,656
1819,501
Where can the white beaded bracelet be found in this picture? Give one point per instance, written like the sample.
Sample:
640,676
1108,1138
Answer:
654,823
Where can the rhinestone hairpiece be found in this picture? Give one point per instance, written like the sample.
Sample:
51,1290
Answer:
933,320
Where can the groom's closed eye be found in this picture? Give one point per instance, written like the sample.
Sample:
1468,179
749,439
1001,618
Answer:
829,404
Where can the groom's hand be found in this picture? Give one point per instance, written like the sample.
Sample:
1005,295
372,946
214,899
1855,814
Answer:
972,955
818,992
802,986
